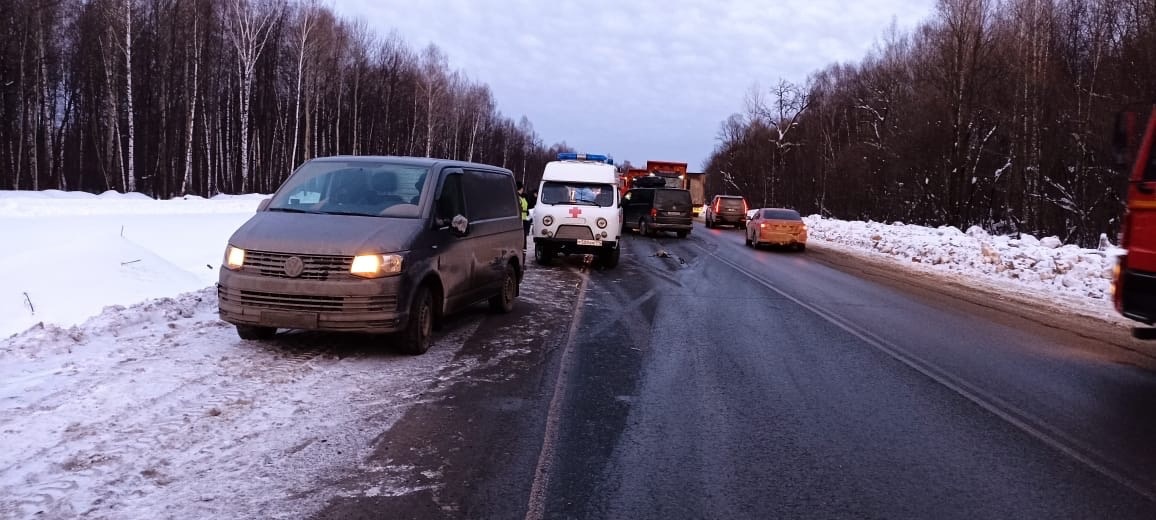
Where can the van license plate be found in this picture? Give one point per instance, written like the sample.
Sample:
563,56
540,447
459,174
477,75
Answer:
289,320
589,242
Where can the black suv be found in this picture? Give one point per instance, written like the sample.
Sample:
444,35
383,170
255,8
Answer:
728,210
650,210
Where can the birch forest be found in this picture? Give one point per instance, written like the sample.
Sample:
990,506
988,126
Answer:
177,97
991,113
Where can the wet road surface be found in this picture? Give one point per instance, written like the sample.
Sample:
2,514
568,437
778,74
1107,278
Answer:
703,379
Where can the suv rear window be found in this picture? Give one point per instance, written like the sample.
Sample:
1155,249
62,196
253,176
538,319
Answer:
781,214
672,199
731,202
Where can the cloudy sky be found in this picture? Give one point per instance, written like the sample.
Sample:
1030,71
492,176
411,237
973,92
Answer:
637,79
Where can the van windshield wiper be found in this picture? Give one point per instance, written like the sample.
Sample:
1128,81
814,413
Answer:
293,210
353,213
586,202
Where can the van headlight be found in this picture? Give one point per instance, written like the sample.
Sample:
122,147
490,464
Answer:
601,222
234,258
547,221
375,266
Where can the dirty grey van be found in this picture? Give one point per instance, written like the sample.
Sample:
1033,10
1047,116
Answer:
375,245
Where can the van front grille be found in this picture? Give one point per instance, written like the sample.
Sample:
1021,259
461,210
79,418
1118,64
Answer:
316,267
574,233
308,303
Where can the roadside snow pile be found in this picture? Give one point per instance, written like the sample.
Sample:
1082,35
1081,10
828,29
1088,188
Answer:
70,254
1038,263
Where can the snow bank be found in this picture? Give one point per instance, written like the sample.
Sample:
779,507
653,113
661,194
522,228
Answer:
1041,264
69,255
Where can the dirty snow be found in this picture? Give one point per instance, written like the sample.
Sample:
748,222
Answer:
1042,267
152,407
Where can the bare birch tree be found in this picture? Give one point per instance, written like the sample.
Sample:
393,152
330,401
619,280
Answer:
249,32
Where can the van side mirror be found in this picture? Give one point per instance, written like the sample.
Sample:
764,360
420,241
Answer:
264,204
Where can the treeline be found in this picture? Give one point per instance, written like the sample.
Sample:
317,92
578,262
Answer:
173,97
991,113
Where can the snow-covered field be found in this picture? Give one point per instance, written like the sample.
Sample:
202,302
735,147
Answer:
71,254
123,396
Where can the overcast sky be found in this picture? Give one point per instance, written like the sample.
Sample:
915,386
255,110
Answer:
637,79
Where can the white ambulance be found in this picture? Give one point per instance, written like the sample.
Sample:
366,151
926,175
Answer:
578,210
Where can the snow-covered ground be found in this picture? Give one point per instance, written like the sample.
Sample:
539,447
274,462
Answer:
127,398
1075,278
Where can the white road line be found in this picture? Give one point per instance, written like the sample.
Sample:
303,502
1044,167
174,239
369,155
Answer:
1019,418
536,508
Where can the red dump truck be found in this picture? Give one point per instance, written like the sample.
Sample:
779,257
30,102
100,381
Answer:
675,175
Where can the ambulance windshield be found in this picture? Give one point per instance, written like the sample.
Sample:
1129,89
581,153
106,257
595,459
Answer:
586,194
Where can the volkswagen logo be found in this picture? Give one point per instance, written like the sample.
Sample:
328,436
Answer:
294,267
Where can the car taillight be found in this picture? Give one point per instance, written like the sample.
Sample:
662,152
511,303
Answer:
717,203
745,208
653,212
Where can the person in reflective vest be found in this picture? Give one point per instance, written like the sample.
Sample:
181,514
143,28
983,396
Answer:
525,206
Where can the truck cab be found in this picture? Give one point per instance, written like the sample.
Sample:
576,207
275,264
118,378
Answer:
1134,283
579,210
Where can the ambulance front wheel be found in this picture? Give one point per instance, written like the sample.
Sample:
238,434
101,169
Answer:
543,254
610,258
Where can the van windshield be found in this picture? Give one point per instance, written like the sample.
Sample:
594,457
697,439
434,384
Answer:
581,193
353,188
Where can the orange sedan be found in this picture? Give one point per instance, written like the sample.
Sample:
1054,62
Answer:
777,226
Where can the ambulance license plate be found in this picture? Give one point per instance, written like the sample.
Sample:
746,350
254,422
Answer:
589,242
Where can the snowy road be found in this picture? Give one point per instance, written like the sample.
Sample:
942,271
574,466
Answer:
703,379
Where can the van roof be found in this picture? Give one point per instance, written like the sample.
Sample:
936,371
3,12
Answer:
409,161
580,171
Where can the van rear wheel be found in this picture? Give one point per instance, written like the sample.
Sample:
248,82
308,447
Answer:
253,332
418,333
503,302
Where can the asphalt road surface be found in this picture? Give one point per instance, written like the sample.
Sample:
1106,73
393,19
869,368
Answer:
703,379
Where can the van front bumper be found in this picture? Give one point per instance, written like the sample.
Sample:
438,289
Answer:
355,305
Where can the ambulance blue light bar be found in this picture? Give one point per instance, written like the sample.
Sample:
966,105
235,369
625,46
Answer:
571,156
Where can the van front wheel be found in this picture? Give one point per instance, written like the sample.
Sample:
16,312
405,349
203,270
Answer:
503,302
418,333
